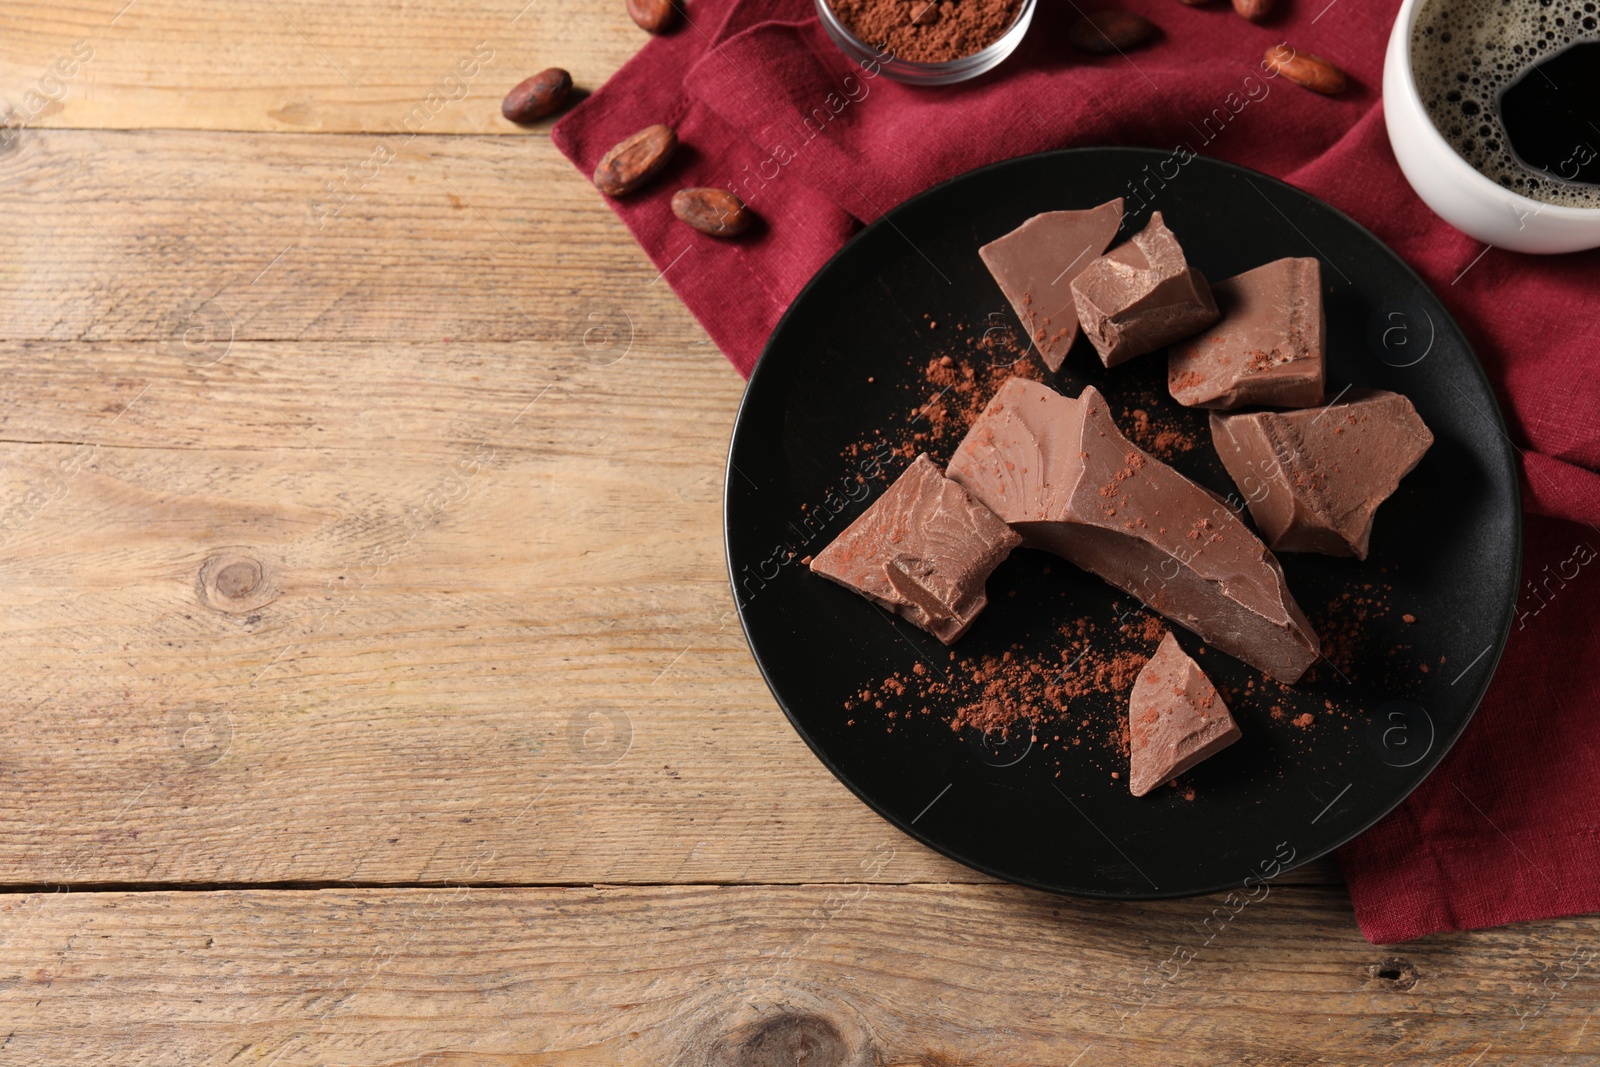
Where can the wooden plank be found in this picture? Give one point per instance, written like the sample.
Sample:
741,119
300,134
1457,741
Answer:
296,65
193,238
822,975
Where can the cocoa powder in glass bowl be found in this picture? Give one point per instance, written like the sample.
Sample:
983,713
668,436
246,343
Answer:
931,42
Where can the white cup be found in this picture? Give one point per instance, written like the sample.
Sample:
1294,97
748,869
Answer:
1459,194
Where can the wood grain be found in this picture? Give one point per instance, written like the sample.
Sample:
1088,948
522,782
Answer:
297,65
166,236
824,975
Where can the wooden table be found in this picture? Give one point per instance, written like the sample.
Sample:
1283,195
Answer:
372,687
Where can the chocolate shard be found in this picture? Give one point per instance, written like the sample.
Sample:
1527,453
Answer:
1266,350
924,550
1141,296
1066,479
1175,719
1314,478
1035,264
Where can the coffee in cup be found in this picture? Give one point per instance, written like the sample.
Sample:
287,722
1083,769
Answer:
1514,87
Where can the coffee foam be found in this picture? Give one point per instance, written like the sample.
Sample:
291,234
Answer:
1463,55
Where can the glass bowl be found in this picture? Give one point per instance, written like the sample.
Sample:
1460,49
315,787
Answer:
902,70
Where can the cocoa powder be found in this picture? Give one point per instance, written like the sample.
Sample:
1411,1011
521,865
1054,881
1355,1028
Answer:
957,380
927,31
1028,686
1344,625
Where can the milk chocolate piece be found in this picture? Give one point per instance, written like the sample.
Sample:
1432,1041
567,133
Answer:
923,550
1266,350
1035,264
1175,719
1066,479
1142,295
1314,478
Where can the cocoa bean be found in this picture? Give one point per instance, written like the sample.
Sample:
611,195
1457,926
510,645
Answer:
1304,69
538,96
653,16
716,212
635,161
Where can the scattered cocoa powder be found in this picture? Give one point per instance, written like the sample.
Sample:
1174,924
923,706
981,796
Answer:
957,393
967,366
1160,435
1031,685
927,31
1342,623
950,392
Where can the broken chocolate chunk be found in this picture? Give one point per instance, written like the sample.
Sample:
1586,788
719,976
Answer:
924,550
1066,479
1175,719
1141,296
1035,264
1314,478
1266,350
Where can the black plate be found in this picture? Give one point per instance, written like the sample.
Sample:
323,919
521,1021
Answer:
835,392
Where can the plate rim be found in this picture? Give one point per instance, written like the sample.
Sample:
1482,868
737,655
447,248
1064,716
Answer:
886,220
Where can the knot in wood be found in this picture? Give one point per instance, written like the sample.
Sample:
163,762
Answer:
787,1040
239,579
234,581
1394,973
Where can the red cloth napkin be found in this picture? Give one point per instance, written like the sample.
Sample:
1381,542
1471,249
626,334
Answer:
1508,827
